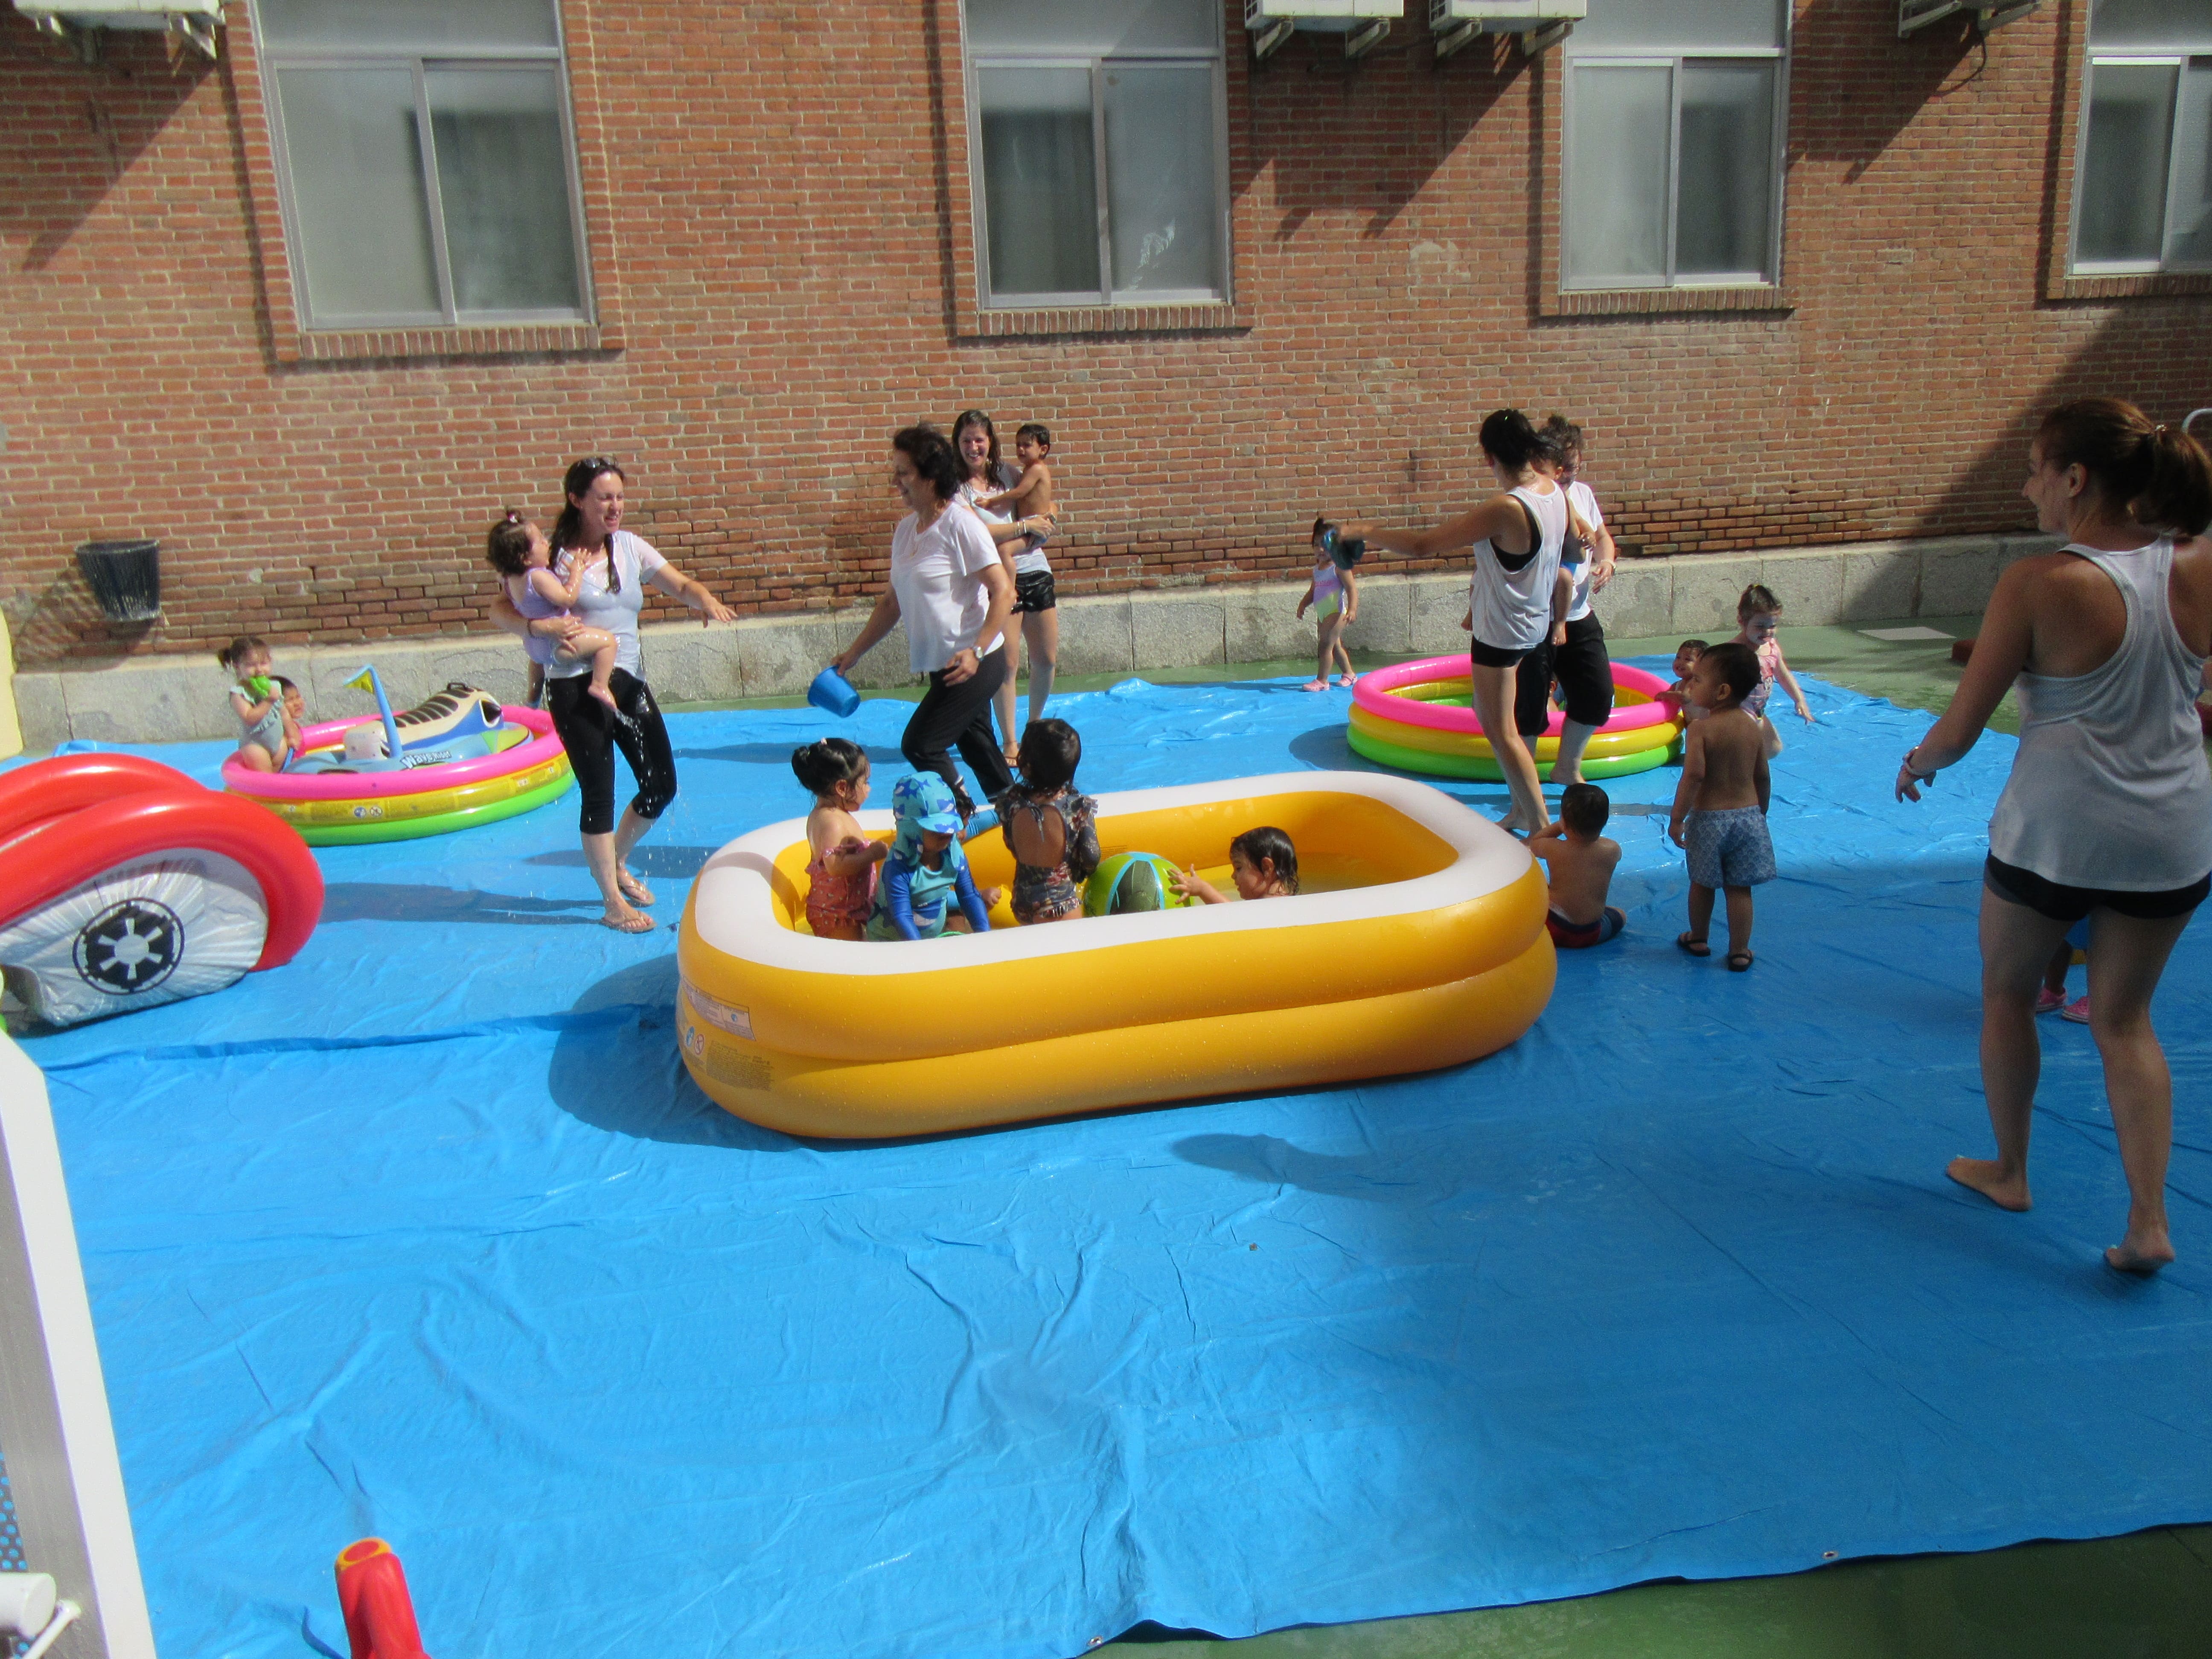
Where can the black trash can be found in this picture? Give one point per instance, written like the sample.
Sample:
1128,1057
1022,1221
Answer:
125,577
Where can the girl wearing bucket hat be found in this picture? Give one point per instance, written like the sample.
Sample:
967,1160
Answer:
926,868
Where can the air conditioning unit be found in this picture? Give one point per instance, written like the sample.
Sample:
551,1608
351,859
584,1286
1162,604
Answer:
1913,14
1457,24
195,21
1363,23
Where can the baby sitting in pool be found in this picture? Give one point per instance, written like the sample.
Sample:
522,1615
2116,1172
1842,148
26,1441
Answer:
926,868
1262,863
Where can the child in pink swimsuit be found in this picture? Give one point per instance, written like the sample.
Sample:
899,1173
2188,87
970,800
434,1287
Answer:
840,877
1759,612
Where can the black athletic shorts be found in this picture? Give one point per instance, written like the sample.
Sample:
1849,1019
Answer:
2063,903
1584,671
1034,591
1497,656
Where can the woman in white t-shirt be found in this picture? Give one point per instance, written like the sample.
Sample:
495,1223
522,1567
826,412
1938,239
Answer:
949,585
617,566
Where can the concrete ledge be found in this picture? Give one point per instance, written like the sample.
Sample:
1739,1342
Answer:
165,699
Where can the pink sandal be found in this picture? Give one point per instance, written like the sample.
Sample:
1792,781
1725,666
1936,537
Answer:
1315,685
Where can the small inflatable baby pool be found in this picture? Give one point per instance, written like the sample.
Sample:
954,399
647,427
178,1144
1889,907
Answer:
1415,716
1418,943
520,766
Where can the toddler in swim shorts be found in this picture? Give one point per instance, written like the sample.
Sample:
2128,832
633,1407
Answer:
1720,807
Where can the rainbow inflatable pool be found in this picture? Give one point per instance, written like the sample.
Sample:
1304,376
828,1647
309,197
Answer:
521,767
1415,716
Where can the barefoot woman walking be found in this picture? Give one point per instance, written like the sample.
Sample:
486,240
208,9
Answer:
1515,596
2108,812
617,566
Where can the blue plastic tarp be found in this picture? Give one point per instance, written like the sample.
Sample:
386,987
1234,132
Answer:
428,1236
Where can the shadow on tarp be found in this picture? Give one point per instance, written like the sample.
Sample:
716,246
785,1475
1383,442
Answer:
616,1067
400,901
672,863
778,754
621,1071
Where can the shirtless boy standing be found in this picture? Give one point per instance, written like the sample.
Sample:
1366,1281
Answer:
1720,807
1029,496
1580,859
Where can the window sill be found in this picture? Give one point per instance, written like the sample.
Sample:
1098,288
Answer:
1026,323
2134,285
1660,301
502,340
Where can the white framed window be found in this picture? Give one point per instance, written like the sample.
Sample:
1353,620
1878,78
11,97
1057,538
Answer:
1672,175
2143,185
425,160
1099,140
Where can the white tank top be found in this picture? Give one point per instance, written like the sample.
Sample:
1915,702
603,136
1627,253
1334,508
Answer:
1028,559
2109,788
1513,608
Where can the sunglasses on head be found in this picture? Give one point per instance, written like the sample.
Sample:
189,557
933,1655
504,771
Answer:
598,466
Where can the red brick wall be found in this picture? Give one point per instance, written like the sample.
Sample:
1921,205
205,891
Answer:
771,188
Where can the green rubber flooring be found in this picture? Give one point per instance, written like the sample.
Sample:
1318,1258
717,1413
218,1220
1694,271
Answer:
2147,1595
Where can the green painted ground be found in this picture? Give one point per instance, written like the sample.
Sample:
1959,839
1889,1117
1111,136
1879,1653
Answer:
2147,1595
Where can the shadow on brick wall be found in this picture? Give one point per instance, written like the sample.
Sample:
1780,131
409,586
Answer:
1857,86
1366,136
2151,353
100,117
63,620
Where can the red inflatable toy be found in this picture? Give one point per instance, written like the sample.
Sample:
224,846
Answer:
379,1617
124,884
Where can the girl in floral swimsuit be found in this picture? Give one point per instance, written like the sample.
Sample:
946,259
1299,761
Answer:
840,877
1051,863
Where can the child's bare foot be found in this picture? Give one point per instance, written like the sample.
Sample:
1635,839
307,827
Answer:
2145,1254
623,920
1983,1174
632,889
605,697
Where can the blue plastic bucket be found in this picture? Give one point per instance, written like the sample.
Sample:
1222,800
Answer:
833,692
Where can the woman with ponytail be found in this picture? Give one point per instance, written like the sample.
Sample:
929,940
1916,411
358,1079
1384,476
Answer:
608,568
2108,812
1518,595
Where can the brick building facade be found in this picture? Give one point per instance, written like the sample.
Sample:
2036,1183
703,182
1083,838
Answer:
779,227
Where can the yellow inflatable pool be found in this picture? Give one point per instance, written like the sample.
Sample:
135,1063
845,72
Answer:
1418,942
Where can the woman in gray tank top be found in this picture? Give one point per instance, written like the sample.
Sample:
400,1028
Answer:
2108,812
1518,594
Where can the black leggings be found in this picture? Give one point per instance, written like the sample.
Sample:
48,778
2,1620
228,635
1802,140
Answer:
591,734
961,714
